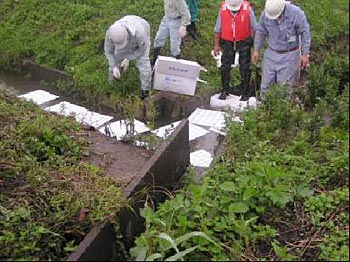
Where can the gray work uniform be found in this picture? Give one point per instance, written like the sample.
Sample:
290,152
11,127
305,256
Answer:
288,38
176,14
137,48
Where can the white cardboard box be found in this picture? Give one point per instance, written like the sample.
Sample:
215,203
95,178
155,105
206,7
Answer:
176,75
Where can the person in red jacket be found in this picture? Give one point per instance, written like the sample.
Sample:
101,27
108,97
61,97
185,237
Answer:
234,32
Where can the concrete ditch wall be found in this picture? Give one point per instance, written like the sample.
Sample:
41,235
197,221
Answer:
162,172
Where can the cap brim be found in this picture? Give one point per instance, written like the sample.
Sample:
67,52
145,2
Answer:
233,8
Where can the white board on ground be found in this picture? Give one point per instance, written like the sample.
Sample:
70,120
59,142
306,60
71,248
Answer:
201,158
81,114
210,118
118,129
39,96
194,131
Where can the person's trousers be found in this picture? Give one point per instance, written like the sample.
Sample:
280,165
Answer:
169,27
229,50
279,68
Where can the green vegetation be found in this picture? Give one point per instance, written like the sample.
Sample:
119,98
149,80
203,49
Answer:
280,191
49,197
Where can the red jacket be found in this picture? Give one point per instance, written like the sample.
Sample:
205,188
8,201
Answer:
235,27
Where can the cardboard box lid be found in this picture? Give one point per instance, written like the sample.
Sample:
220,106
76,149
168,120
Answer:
177,67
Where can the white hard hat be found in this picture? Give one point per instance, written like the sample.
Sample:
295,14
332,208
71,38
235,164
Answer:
119,35
233,5
274,8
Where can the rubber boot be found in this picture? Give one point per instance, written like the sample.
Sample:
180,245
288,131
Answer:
192,31
225,83
144,94
245,83
156,53
178,56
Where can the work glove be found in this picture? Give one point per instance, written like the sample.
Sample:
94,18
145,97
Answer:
125,64
182,31
116,72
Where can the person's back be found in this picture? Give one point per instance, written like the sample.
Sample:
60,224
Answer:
129,39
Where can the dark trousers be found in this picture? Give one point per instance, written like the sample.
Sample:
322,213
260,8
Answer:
229,50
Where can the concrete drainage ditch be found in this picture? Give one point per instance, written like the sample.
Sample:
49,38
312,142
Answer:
161,169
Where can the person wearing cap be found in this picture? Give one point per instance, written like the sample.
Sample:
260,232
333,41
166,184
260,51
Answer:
234,32
129,39
289,39
193,6
177,17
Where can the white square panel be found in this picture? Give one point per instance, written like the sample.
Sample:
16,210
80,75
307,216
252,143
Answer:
118,129
194,131
201,158
81,114
210,118
39,96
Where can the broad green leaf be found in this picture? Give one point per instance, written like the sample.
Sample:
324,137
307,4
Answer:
227,186
139,253
304,191
238,207
248,193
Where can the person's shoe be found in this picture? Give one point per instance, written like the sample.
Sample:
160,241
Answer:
244,98
223,95
144,94
192,31
235,91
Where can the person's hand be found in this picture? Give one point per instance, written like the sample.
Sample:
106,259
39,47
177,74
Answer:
255,56
182,31
125,64
217,50
304,61
116,72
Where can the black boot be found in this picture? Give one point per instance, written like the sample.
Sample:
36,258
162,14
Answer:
245,82
178,56
144,94
223,94
192,31
156,53
225,83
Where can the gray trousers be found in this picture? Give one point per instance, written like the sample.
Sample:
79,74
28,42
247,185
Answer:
279,69
169,27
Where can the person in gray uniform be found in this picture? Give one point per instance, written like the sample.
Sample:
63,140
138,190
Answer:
129,39
289,39
177,17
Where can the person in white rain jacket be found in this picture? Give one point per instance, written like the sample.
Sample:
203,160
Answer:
129,39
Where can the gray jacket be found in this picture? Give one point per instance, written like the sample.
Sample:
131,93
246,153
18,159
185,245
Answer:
177,8
138,46
284,34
